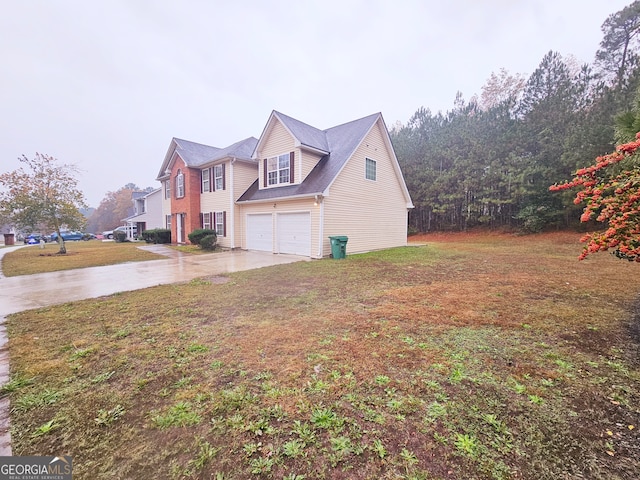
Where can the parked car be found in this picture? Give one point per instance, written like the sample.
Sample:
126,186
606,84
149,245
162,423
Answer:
34,239
68,236
109,233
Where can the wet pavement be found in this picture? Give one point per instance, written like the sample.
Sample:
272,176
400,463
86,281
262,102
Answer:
44,289
41,290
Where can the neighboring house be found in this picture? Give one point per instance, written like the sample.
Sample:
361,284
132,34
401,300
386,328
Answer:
291,189
147,211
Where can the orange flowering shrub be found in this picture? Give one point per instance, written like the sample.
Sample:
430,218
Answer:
611,190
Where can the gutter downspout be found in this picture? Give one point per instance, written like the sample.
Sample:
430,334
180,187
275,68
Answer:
321,227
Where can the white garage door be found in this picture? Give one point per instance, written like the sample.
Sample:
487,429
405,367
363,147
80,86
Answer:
294,233
260,232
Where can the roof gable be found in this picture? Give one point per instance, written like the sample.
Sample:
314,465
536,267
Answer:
339,142
304,136
196,155
242,149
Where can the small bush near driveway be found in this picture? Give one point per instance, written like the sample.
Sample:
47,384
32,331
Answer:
158,235
197,235
208,242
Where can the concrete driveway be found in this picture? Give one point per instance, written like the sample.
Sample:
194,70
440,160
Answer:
45,289
41,290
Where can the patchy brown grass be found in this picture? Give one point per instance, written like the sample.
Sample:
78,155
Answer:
473,356
33,259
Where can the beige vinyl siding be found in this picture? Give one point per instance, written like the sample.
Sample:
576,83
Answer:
289,206
279,141
244,174
373,214
218,201
308,162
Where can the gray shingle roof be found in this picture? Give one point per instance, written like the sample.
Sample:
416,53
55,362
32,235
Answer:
196,154
340,141
305,134
136,195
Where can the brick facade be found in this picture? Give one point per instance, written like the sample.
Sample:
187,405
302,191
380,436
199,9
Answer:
187,206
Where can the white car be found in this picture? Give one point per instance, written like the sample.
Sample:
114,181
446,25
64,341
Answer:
109,233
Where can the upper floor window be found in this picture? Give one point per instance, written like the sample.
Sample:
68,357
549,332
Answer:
180,184
370,169
218,175
167,189
206,179
279,169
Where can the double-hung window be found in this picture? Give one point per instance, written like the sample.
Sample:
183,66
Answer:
167,189
370,169
180,184
279,169
219,226
167,222
206,221
206,180
218,175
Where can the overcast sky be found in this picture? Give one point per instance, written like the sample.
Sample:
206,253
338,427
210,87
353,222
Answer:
106,84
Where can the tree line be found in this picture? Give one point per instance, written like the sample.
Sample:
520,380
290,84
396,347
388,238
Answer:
489,161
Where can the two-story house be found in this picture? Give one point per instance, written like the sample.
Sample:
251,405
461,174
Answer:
147,211
291,189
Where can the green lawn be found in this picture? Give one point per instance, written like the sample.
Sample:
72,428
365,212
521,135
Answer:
480,356
33,259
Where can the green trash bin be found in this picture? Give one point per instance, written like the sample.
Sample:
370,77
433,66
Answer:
339,246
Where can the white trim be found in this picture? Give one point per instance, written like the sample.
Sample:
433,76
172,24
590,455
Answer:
350,156
215,178
321,229
396,165
214,223
281,199
204,224
278,170
179,230
168,159
208,180
302,146
375,169
180,185
231,228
